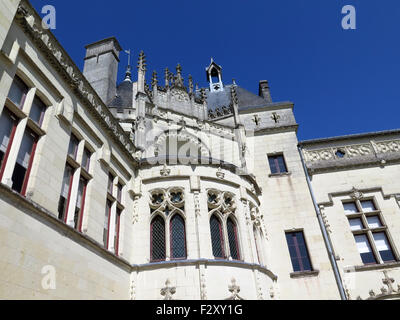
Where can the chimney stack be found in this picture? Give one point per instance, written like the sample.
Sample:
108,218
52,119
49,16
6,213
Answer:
101,67
264,91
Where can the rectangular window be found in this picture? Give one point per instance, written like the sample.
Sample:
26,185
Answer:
73,147
298,251
107,224
18,92
37,111
24,162
7,130
116,233
277,164
80,204
65,193
383,246
364,248
86,159
368,206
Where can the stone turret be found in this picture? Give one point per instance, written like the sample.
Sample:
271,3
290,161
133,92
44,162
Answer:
101,67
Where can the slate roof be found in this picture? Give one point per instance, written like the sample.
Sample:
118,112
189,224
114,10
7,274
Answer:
218,99
124,97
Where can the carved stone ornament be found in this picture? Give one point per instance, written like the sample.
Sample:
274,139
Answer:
220,174
165,172
167,292
234,289
43,38
388,291
167,202
356,194
224,202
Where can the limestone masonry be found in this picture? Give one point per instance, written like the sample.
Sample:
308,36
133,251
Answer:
165,190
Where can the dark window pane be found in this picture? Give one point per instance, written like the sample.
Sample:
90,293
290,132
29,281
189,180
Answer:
158,239
368,206
384,247
282,165
73,147
23,159
178,243
233,240
298,251
37,111
86,160
80,201
216,238
119,194
364,248
18,92
110,183
116,234
273,165
350,207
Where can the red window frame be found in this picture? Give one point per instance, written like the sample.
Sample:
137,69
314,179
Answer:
82,209
170,238
117,230
7,153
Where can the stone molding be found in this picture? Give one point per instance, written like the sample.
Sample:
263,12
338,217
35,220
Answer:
352,155
31,23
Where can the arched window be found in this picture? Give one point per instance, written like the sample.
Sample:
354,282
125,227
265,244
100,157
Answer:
157,237
177,234
217,239
233,239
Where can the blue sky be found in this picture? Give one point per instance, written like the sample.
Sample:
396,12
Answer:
341,81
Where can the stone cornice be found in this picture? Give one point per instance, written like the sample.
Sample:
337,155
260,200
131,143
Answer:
348,156
31,23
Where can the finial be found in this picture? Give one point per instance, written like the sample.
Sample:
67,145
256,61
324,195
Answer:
128,74
154,80
234,82
166,75
179,78
128,52
203,95
142,61
190,84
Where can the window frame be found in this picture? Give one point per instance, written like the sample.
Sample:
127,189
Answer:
3,162
274,158
171,249
298,253
369,231
157,216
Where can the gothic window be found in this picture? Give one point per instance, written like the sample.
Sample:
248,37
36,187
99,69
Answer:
223,228
277,164
298,251
233,239
157,239
217,238
167,208
370,232
178,245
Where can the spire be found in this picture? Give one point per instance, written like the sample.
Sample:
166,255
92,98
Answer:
166,76
178,77
154,80
190,84
142,62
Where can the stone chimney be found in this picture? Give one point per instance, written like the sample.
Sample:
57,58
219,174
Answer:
101,67
264,91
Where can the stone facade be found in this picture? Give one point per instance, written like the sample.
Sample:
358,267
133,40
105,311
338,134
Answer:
189,159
